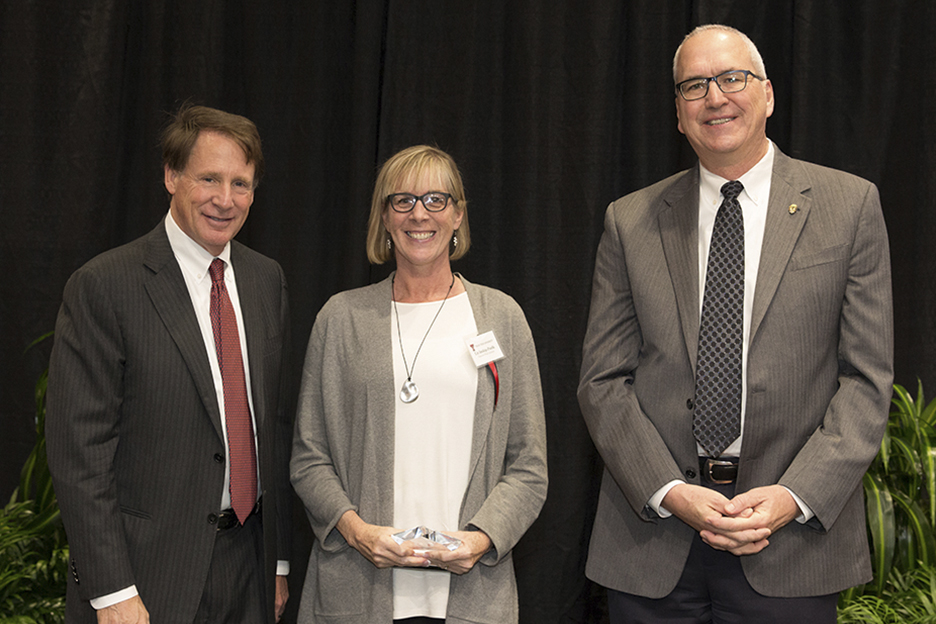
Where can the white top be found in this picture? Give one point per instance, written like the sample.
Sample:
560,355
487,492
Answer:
432,439
753,200
194,261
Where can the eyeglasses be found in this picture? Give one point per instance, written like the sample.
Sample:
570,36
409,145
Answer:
731,81
433,201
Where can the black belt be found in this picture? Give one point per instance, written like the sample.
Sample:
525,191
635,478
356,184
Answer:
227,519
718,470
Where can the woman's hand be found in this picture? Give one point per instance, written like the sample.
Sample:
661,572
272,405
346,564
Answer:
473,546
376,544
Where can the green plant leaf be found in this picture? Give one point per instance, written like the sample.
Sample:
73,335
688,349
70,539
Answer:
928,414
884,452
882,528
928,455
905,411
919,526
33,550
905,473
846,597
38,340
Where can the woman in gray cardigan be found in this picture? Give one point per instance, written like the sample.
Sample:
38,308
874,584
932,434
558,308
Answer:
420,405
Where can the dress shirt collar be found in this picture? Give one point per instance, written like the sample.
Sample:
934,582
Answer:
756,182
193,258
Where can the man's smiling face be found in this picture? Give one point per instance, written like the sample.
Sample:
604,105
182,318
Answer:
212,195
728,131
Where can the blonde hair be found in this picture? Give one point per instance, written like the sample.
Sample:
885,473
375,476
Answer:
408,164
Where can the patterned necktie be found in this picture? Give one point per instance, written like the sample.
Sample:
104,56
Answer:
240,435
717,419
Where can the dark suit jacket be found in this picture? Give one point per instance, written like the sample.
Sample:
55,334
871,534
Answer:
134,432
819,377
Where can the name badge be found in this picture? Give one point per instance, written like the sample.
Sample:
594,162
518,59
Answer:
484,349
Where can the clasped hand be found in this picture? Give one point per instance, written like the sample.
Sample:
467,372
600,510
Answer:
473,546
741,525
376,543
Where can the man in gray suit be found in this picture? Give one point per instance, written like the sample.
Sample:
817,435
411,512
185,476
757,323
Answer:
168,434
737,369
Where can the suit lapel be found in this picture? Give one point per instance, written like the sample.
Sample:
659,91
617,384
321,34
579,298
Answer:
780,232
679,226
166,289
256,320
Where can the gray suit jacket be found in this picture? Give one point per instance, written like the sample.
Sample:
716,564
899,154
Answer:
134,430
343,457
819,377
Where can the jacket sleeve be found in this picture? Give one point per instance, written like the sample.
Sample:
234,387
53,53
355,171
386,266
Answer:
82,432
829,467
622,432
312,469
283,434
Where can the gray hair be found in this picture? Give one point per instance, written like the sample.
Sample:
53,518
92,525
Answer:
756,60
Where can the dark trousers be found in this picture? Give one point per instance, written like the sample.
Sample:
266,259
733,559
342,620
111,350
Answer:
713,589
234,590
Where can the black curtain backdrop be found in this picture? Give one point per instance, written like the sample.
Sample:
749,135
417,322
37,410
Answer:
551,108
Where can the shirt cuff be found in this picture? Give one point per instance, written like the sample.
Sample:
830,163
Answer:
111,599
806,514
656,501
282,569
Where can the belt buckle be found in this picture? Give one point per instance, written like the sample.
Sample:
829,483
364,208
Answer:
227,519
717,463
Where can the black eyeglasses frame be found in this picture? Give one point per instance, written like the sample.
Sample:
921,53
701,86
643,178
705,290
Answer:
420,198
708,81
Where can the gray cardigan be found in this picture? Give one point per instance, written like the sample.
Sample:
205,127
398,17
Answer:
343,457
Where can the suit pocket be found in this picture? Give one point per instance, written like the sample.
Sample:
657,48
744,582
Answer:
816,258
141,534
338,582
136,512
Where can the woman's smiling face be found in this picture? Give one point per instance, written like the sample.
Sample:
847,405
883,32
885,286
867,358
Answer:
421,238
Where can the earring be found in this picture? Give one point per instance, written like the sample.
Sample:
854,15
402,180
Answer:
455,241
389,244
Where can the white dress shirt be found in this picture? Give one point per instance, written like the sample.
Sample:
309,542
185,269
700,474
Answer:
194,261
754,200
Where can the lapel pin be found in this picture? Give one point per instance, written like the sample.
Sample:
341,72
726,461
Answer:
793,208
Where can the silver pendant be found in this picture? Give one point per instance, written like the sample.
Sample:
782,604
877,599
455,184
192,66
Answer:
409,392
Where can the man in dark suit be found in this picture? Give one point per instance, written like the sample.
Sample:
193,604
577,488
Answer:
737,367
167,431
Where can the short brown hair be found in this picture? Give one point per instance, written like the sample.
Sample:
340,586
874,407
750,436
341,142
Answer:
180,136
412,162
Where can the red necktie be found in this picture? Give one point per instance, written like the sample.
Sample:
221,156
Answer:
240,435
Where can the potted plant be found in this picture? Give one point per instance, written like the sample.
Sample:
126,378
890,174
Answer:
900,494
33,548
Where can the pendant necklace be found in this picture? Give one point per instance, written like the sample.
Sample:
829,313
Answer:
409,392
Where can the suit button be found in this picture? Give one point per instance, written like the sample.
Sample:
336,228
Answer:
219,457
690,473
690,404
212,519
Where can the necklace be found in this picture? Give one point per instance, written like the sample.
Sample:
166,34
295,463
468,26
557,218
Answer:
409,392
